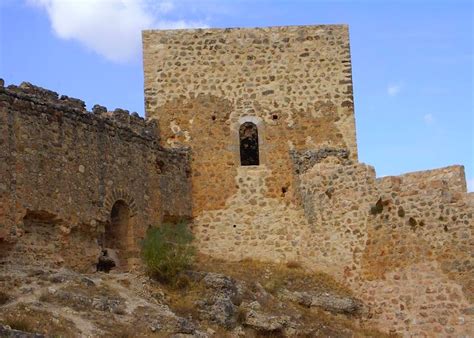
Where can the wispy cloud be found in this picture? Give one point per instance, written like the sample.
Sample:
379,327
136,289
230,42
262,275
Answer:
394,89
111,28
428,118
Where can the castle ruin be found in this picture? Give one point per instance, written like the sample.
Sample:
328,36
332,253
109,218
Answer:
249,134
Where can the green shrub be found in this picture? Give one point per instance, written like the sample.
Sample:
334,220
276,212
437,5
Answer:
167,250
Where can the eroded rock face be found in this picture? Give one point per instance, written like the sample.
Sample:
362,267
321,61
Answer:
224,285
222,304
326,301
265,323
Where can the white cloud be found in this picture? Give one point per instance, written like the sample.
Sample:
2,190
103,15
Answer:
470,185
428,118
111,28
393,89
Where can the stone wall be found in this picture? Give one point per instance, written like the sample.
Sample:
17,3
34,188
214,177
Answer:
63,168
420,215
253,225
294,83
403,243
336,199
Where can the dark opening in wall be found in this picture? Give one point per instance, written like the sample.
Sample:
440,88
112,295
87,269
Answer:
116,231
248,136
114,240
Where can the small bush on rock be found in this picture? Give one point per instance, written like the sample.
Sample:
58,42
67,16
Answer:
167,250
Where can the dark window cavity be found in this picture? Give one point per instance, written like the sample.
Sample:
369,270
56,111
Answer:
248,135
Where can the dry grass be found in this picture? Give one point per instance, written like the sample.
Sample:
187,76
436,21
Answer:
21,324
185,306
340,322
273,277
291,276
24,318
182,300
46,297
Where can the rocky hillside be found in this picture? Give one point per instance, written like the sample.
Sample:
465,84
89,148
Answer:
215,299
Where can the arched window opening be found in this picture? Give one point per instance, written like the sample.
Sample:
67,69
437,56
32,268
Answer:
248,136
114,239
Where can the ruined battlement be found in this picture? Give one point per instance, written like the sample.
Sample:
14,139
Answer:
68,169
51,103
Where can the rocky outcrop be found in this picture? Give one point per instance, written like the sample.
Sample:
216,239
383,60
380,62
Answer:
326,301
7,332
61,302
262,322
222,303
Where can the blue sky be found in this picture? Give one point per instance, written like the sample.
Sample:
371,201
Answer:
412,62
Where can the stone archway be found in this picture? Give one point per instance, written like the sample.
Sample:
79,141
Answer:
116,231
114,243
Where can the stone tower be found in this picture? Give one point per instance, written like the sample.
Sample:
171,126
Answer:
280,88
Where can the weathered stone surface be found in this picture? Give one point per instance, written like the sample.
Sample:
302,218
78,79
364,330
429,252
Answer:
224,285
388,260
265,323
326,301
221,306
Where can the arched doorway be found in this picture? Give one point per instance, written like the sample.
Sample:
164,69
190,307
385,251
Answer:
248,137
114,243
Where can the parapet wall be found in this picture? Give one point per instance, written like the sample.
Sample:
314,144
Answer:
66,166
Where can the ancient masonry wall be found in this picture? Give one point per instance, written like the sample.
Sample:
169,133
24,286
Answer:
294,83
63,168
403,243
